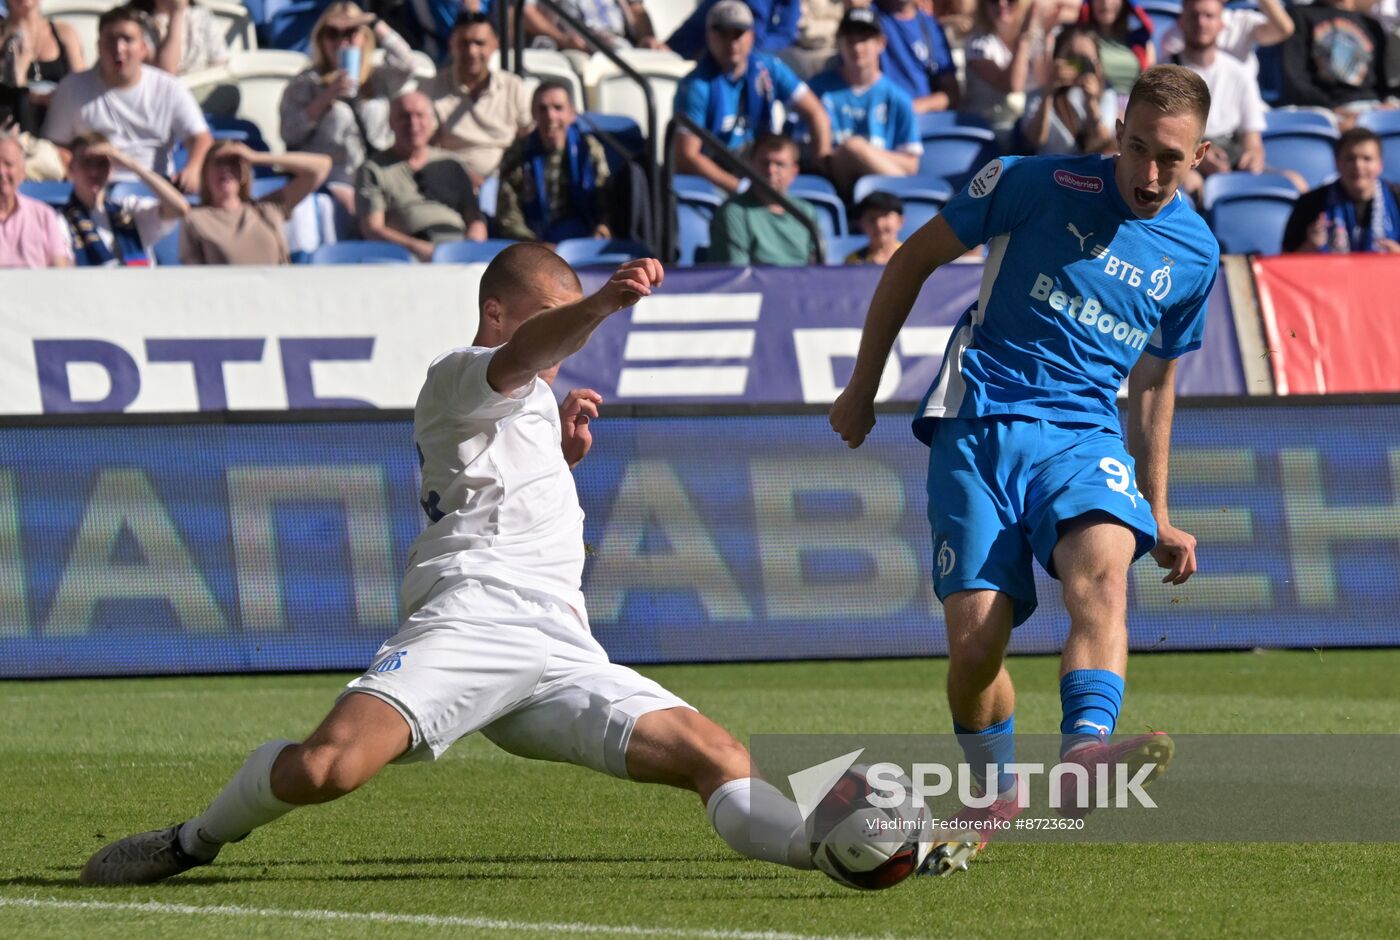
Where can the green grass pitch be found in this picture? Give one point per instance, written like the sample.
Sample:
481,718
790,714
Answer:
485,844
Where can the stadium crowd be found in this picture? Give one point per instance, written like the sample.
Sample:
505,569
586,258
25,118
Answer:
855,114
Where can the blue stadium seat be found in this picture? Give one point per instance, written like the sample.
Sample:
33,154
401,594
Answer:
622,129
696,189
1252,224
600,251
819,191
167,250
693,231
366,252
956,152
489,195
267,185
916,216
1270,72
1280,120
1235,185
1381,122
54,192
225,127
927,188
838,248
470,252
931,122
1305,150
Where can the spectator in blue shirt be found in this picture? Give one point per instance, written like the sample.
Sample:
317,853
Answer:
872,121
774,26
731,94
917,57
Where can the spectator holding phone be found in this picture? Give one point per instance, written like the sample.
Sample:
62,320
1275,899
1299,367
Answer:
1078,112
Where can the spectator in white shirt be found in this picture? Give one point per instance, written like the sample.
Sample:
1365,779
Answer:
144,112
1241,32
109,232
186,37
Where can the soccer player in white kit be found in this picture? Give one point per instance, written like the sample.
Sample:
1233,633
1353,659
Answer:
495,637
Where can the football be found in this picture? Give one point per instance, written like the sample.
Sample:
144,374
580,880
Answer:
861,845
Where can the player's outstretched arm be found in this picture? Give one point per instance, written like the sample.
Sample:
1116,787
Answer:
1151,404
545,340
853,414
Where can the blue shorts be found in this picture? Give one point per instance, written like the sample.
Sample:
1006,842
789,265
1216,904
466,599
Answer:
1000,489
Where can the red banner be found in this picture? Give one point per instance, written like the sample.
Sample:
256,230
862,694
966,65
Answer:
1332,323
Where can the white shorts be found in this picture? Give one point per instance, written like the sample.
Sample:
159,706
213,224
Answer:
526,673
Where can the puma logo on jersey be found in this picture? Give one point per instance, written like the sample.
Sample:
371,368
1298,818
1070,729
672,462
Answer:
1074,230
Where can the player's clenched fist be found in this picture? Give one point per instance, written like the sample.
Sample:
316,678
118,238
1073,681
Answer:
631,282
852,416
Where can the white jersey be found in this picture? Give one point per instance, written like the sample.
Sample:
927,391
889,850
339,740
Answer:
500,500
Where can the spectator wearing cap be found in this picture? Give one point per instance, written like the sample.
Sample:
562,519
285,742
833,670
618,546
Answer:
917,57
750,229
480,112
1358,212
414,194
108,231
873,128
345,113
1242,31
31,235
731,93
774,22
555,182
144,112
880,217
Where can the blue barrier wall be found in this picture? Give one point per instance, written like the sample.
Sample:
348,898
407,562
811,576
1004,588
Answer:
209,548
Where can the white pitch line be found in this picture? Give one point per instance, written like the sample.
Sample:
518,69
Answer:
430,920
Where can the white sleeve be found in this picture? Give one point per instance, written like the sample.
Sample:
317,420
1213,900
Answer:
186,119
1237,36
1253,116
458,386
61,121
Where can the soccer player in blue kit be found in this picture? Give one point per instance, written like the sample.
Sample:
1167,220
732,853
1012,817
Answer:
1098,269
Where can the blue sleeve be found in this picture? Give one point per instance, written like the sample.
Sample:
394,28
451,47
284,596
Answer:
999,199
1183,326
785,80
693,100
774,23
688,40
904,128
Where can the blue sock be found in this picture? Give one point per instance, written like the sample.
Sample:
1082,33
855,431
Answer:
994,745
1090,699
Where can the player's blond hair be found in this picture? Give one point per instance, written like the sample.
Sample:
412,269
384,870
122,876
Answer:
1171,89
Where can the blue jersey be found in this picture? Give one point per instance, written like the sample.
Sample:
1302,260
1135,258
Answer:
736,110
916,53
1075,289
881,113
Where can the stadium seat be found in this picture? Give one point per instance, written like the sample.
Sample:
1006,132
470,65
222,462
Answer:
1252,224
1235,185
167,250
1305,150
819,191
1280,120
365,252
489,195
249,86
239,31
931,122
838,248
1270,72
227,127
956,152
693,231
620,128
549,63
924,188
1163,15
267,185
697,189
600,251
1387,125
54,192
470,252
610,91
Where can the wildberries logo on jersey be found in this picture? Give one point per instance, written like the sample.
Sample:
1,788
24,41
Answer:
1083,184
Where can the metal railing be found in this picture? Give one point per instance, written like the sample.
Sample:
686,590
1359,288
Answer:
661,220
717,152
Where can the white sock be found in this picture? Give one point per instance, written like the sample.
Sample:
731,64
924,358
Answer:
242,806
756,820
